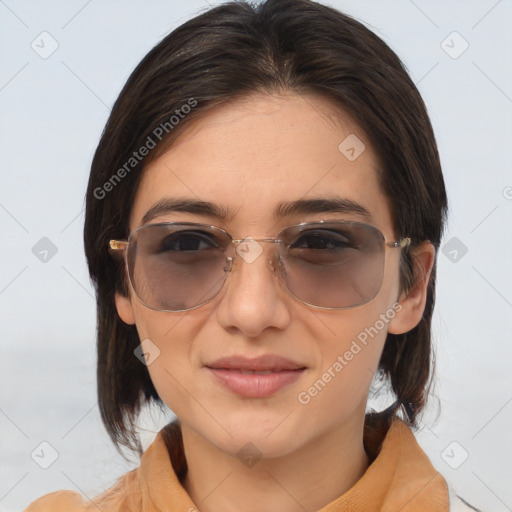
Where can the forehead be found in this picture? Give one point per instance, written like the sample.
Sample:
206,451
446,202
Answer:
250,155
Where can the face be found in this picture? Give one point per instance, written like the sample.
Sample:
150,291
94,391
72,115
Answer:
247,157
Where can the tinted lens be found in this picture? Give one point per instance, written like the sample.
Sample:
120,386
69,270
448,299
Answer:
333,265
175,267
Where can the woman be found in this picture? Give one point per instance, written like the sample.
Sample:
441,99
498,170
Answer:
263,214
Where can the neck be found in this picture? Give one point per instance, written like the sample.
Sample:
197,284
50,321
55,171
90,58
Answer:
307,479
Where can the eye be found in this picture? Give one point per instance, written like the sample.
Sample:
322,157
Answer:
183,241
323,240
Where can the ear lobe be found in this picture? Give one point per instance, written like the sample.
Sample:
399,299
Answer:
124,309
413,301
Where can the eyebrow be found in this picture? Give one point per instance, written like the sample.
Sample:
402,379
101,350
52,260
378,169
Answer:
283,209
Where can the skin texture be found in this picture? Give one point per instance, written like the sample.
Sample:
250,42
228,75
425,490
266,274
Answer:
247,156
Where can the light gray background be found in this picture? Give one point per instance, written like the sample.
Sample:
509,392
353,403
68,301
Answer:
52,113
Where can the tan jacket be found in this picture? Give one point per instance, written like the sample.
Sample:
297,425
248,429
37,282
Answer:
400,477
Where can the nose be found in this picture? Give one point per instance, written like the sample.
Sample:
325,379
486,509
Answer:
253,298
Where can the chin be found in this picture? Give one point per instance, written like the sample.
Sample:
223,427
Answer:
269,432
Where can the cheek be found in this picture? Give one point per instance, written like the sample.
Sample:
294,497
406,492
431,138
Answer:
171,341
349,360
349,363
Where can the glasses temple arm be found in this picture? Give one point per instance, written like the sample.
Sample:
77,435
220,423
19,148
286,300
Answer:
117,245
403,242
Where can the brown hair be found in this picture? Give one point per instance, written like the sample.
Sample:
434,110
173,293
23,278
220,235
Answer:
230,51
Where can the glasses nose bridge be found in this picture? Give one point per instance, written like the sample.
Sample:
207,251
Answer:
252,250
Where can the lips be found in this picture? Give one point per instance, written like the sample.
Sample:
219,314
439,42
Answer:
255,378
272,363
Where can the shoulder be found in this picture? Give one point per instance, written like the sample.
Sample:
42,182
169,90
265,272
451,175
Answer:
58,501
457,504
124,496
128,493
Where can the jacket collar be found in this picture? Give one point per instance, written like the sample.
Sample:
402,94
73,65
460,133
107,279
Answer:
400,476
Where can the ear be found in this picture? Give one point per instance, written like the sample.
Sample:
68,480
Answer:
124,309
413,301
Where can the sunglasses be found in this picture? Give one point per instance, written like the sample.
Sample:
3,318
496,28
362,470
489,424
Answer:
178,266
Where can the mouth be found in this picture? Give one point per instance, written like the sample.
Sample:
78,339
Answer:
255,378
